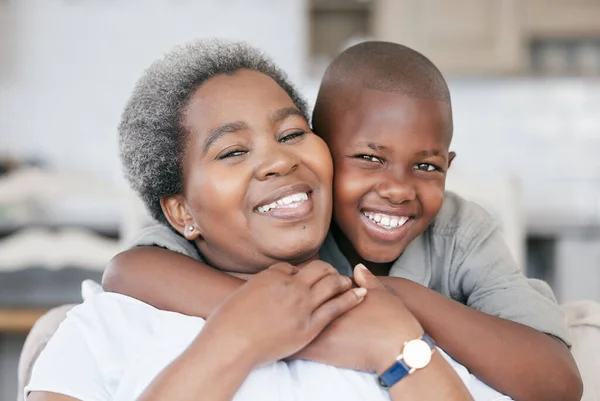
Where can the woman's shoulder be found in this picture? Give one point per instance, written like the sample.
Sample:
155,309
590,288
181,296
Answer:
126,317
118,328
100,339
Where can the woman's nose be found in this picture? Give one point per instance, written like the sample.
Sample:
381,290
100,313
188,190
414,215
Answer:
277,161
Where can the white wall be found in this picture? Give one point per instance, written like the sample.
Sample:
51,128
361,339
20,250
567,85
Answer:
72,63
545,132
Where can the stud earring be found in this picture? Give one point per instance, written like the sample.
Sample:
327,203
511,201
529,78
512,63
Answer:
191,229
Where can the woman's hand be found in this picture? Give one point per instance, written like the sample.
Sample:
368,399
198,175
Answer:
281,310
369,337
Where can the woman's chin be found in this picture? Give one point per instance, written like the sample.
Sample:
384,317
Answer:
298,255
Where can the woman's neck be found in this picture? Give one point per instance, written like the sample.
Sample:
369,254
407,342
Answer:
299,265
227,265
378,269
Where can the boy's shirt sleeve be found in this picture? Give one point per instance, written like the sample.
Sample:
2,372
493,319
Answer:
164,237
488,279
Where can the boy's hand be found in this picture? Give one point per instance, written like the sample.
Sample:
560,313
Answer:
281,310
369,337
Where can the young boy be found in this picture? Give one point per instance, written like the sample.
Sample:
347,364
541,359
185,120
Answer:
384,110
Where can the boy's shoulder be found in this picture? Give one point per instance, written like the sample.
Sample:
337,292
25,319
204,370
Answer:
462,218
456,230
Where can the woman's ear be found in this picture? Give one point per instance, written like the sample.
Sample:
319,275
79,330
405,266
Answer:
177,215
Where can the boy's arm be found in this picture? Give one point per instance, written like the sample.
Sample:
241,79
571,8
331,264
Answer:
168,280
500,334
514,359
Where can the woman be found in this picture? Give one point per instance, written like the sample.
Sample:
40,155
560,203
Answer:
245,142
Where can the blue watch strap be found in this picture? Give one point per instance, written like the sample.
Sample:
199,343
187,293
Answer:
399,369
394,374
428,340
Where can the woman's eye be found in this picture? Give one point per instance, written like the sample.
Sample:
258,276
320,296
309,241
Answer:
427,167
292,135
230,154
369,158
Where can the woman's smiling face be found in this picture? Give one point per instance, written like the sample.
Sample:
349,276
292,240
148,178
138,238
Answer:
257,181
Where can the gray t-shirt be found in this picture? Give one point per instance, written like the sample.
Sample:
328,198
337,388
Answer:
461,255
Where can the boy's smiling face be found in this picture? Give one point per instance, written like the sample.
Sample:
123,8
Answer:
390,154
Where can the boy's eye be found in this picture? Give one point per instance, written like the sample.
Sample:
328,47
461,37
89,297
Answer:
291,136
369,158
231,153
427,167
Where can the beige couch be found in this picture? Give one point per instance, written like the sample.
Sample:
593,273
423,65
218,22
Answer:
583,319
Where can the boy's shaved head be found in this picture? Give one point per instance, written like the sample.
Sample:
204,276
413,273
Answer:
382,66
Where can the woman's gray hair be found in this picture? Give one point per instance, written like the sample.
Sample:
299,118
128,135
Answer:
152,137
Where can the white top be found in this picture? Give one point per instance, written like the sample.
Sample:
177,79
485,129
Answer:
111,347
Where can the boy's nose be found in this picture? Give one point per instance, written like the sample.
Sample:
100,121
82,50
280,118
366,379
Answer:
396,191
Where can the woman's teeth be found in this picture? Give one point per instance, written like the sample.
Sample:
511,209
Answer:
289,202
386,221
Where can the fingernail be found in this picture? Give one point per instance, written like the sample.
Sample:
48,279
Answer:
360,292
361,266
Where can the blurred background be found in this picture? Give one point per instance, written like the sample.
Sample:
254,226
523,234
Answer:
524,77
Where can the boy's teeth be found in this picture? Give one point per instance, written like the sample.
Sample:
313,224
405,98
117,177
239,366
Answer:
291,201
385,220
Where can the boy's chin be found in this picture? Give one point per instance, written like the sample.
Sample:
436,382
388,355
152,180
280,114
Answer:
381,254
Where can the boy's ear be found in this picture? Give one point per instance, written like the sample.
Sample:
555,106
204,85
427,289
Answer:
177,215
451,157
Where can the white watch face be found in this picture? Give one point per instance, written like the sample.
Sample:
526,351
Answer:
416,354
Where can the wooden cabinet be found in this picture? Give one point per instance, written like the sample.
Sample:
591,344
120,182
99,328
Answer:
334,23
561,18
463,36
487,36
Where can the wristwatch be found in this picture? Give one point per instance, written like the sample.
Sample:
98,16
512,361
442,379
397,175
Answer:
416,354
